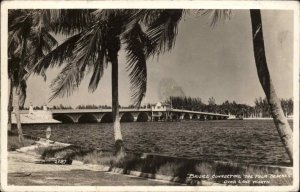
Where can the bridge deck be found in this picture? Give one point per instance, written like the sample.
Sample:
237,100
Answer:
132,110
63,111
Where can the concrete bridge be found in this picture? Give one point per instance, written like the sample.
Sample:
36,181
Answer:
155,113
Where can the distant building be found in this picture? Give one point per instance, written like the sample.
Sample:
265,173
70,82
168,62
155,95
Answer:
158,111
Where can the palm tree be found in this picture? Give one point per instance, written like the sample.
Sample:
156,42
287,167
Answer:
28,41
92,48
280,121
162,29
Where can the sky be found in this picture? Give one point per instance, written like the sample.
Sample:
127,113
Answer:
205,62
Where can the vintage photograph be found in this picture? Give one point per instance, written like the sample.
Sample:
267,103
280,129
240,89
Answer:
149,97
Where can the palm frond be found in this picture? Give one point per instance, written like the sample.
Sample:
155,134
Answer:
88,51
13,41
216,15
29,25
99,67
69,79
56,57
14,44
70,21
163,30
21,25
88,45
91,51
136,59
146,16
41,43
15,13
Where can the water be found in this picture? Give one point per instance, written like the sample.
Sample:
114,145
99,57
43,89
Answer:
254,141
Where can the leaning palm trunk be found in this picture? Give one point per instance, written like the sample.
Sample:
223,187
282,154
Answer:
9,107
280,121
17,92
17,114
119,145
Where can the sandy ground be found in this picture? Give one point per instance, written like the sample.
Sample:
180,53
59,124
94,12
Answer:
24,170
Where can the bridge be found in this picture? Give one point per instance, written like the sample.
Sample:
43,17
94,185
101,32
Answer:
155,113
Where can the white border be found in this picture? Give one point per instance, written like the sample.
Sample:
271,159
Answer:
296,97
135,4
291,5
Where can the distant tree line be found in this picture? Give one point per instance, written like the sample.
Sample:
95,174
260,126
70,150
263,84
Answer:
61,107
109,107
261,106
141,107
260,109
287,106
93,107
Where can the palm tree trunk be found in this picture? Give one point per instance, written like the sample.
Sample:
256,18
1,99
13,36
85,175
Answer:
119,145
17,89
17,114
280,121
10,102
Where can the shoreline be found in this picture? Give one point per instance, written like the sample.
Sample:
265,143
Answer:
157,166
264,118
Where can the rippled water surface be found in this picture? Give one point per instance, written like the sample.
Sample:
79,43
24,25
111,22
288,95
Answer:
238,141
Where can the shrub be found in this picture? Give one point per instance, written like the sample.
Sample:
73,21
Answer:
171,169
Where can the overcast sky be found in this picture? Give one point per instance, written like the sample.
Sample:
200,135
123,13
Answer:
206,61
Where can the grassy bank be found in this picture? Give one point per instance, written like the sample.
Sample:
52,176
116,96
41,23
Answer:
182,170
13,142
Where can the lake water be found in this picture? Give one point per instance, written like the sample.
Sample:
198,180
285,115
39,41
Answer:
247,141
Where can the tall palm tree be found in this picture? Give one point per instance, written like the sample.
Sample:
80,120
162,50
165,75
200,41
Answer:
91,49
162,29
280,121
28,41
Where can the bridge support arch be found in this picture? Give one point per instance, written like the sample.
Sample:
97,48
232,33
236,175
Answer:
143,117
106,118
202,117
186,116
195,117
208,117
127,117
174,116
87,118
65,118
